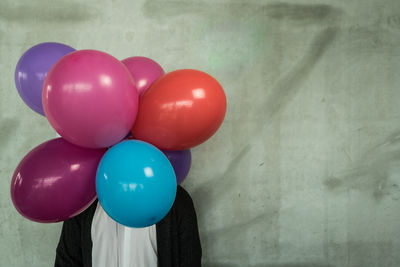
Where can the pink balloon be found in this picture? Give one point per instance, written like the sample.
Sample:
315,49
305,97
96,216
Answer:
55,181
90,99
144,71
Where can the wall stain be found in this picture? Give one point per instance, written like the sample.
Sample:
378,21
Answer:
227,180
305,13
308,264
371,253
234,229
393,21
371,172
302,12
47,11
9,128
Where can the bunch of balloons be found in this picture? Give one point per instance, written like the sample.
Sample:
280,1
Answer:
126,131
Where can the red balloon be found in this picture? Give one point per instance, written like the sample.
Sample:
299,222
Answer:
182,109
55,181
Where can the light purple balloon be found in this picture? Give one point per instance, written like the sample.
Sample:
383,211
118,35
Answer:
55,181
144,71
181,161
32,68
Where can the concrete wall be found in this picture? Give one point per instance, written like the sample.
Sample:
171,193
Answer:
305,170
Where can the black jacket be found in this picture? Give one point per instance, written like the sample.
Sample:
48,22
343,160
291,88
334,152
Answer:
178,242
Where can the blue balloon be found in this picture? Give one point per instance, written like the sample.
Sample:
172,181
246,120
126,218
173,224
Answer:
135,184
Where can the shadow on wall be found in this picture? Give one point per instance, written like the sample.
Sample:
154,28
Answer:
286,87
278,97
300,15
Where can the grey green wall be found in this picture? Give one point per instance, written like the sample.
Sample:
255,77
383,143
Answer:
305,170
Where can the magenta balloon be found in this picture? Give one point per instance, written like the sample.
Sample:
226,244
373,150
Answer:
90,99
144,71
55,181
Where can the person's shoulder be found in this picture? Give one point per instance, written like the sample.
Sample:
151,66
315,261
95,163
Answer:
86,214
182,195
183,199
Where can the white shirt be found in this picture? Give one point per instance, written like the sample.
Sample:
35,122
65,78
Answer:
121,246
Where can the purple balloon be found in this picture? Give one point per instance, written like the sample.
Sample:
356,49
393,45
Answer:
144,71
55,181
181,162
32,68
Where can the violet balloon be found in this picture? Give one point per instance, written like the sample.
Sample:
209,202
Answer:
90,99
144,71
181,162
32,68
55,181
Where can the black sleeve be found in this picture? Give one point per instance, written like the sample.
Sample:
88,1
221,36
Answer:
69,252
189,240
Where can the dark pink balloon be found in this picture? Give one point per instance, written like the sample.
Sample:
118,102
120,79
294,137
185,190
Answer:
90,99
144,71
55,181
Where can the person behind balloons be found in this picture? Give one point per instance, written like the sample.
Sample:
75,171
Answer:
193,106
141,218
94,239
